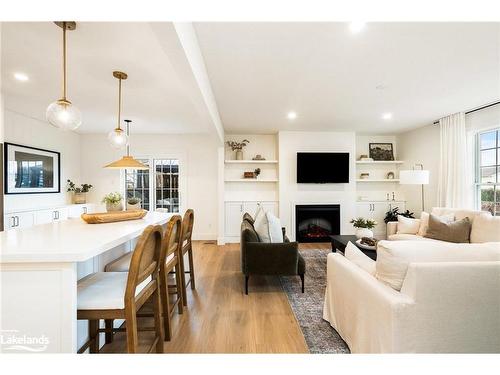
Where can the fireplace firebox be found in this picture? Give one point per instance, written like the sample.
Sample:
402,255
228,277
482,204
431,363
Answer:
315,223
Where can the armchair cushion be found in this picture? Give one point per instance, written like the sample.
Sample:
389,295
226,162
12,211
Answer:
359,258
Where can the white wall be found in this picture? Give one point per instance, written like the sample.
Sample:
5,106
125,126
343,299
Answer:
420,146
199,160
291,193
27,131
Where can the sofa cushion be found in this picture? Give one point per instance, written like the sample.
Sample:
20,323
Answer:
274,228
355,255
261,226
407,237
248,233
424,221
457,212
485,228
457,231
408,225
393,257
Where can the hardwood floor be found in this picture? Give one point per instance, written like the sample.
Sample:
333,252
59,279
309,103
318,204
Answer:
220,318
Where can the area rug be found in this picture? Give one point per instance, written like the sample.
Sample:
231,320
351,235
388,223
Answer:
308,307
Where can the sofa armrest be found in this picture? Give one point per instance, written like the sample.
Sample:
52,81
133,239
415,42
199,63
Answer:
270,258
392,228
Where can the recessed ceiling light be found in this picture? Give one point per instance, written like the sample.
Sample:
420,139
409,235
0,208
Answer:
356,26
387,116
291,115
21,77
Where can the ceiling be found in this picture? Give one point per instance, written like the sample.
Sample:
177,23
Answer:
160,94
336,80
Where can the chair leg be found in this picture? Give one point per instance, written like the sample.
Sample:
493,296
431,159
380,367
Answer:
183,280
131,329
157,318
108,336
191,267
94,336
179,273
246,284
166,312
302,278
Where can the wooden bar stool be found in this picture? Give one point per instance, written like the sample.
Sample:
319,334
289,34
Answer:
120,295
187,248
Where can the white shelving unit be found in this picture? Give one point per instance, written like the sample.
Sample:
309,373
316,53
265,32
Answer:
377,162
251,180
251,161
393,180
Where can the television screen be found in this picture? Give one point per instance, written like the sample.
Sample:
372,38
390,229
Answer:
322,167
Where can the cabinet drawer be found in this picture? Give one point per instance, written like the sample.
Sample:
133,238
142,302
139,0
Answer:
19,220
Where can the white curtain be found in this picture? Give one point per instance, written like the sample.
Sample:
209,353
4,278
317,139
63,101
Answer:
453,167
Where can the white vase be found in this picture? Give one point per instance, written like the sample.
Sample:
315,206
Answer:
239,155
363,232
132,207
114,206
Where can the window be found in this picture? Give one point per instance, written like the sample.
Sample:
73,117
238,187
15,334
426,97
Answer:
157,187
488,171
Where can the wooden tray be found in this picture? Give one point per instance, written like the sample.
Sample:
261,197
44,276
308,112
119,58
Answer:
111,217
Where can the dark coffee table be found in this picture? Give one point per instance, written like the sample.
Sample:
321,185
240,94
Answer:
339,243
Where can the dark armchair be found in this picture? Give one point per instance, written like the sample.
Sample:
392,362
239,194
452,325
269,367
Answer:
259,258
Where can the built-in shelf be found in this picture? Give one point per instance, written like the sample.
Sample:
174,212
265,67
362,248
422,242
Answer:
251,161
394,180
375,162
252,180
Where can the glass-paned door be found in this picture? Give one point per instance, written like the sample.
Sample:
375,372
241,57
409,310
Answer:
488,173
137,184
166,181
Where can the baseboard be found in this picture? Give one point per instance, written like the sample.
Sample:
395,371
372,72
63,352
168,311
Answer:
204,237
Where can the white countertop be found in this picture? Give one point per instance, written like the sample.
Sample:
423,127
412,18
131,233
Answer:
70,240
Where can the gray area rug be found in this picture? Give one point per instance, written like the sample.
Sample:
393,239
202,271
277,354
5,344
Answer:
308,307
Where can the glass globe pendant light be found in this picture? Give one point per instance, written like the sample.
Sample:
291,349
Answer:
117,137
62,113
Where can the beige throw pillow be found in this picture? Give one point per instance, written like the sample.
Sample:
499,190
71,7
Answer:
485,228
407,225
424,222
457,231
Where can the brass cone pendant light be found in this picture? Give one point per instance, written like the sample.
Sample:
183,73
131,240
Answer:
119,138
61,113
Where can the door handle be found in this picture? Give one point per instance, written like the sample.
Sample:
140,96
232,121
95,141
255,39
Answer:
13,221
84,210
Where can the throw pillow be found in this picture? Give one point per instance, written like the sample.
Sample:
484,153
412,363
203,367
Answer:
274,228
407,225
456,231
485,228
355,255
424,222
260,211
261,226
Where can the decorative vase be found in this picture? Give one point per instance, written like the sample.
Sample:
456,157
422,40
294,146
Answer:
364,232
239,154
79,198
114,206
132,207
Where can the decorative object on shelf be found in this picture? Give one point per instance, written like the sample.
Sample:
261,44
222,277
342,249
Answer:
238,147
367,243
133,203
30,170
257,172
415,177
112,217
258,157
381,151
249,175
127,162
392,215
364,176
390,175
114,202
363,227
117,137
62,113
365,158
79,193
393,196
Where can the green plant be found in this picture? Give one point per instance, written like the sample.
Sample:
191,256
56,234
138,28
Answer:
85,188
257,172
133,200
392,215
363,223
112,198
237,145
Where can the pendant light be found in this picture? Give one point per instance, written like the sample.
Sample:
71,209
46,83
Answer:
61,113
117,137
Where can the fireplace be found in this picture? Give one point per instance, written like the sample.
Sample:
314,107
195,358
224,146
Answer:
315,222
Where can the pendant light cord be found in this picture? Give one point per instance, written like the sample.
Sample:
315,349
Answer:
119,101
64,61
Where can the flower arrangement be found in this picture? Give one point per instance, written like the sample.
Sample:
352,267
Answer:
361,223
237,146
112,198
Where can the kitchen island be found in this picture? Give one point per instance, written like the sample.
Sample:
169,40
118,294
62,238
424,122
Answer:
39,270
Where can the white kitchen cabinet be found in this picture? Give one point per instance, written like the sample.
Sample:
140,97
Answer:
376,211
19,220
51,215
234,212
77,210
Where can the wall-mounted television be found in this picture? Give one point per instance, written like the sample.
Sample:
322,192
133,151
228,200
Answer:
322,167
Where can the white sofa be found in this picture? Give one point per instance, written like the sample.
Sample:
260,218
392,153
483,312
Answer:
419,297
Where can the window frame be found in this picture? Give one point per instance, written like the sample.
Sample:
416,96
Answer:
479,185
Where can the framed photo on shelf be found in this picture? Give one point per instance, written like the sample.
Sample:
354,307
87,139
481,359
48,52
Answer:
381,151
30,170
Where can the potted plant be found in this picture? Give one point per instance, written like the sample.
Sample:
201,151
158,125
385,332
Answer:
238,147
79,193
392,215
133,203
257,172
114,202
363,227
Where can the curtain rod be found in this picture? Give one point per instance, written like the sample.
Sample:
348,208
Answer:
475,109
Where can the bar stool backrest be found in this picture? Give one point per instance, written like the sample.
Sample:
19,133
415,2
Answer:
187,227
171,239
